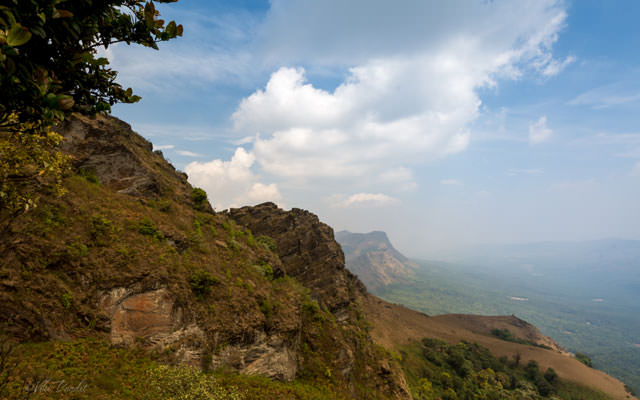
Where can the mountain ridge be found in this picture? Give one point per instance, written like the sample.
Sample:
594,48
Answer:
134,256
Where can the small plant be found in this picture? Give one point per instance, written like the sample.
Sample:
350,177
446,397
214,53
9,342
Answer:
199,198
100,229
66,299
201,282
265,269
233,245
89,174
267,242
147,228
585,359
77,250
163,205
267,309
312,308
251,241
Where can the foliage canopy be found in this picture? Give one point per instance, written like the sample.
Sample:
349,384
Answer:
49,63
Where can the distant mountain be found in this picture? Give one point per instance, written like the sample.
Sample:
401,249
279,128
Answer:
372,257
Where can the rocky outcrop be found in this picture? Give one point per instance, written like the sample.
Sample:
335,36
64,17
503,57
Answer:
151,317
308,251
105,146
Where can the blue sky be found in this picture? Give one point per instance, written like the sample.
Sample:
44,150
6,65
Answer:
443,123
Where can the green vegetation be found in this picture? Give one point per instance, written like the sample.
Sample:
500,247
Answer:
89,369
585,359
604,330
201,282
267,242
437,370
199,198
48,54
507,336
48,69
147,228
66,300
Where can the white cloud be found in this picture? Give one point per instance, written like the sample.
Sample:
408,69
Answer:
188,153
163,147
450,182
554,67
362,199
616,94
402,102
538,131
260,193
231,183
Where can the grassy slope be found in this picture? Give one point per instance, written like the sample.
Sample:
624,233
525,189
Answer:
60,258
395,326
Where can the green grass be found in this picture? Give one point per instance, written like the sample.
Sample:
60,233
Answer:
92,369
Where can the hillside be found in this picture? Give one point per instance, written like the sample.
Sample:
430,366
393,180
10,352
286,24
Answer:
132,270
373,259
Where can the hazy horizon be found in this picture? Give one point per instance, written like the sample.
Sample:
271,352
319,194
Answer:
444,124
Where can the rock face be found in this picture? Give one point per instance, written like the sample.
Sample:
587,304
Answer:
151,317
308,251
105,146
372,257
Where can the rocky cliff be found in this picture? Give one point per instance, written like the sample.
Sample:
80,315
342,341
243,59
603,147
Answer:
372,257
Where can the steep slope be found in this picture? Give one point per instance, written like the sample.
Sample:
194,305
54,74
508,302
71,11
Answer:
373,259
132,255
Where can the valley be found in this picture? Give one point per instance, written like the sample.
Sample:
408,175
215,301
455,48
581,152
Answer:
601,321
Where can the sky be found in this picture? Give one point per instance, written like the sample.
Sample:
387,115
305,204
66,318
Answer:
445,124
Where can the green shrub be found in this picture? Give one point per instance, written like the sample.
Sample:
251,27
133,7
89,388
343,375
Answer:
267,242
66,300
147,228
201,282
199,198
585,359
89,174
171,383
100,229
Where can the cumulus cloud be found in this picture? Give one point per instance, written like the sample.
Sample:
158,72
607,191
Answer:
232,183
450,182
538,131
402,102
362,199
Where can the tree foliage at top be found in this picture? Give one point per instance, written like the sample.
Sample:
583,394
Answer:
49,68
49,65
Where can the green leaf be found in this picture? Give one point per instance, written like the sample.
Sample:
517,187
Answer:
149,15
18,35
65,102
61,14
171,29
